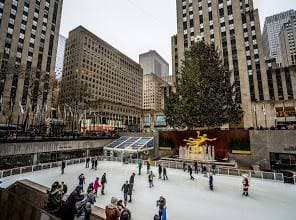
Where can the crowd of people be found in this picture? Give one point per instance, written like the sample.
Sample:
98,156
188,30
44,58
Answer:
78,204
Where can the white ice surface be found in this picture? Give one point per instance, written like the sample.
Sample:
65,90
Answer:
186,199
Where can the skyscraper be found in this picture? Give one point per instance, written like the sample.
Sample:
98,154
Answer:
100,83
60,56
234,28
288,42
152,62
29,31
272,27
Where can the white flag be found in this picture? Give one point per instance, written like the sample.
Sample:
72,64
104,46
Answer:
21,108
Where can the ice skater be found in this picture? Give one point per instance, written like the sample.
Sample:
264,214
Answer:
103,183
190,172
140,166
214,169
87,163
92,163
148,167
81,181
130,191
159,171
195,167
211,180
96,185
246,185
164,171
132,179
96,163
184,166
63,167
205,171
150,179
125,190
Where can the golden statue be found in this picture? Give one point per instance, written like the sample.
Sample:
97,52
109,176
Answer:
196,145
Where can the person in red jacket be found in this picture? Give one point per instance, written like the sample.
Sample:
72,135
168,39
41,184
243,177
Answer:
96,185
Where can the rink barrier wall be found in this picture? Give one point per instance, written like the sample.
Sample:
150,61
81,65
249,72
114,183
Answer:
279,177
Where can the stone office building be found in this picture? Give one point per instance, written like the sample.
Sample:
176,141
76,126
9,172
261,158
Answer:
100,84
29,31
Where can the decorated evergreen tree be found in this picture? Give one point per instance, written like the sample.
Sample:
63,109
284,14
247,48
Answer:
205,96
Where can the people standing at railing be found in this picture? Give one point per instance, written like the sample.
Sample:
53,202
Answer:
159,171
68,210
81,181
87,162
63,167
103,183
54,200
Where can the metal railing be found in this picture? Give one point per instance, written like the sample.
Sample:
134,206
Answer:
169,164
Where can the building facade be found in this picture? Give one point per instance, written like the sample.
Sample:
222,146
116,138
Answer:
288,42
174,51
29,31
152,62
272,28
234,28
60,56
100,86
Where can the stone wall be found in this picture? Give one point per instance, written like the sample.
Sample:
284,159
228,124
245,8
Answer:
7,149
35,196
264,142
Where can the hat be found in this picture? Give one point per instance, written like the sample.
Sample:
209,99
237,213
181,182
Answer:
245,175
114,201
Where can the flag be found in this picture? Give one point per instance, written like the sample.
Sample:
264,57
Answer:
263,109
21,108
1,100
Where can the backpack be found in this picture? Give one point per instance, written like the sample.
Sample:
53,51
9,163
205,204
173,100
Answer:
125,215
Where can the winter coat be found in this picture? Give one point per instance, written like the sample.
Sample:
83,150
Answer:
159,169
54,200
103,179
164,171
84,211
150,177
81,179
63,165
125,214
68,210
125,188
130,189
96,184
65,189
211,180
161,203
112,212
132,179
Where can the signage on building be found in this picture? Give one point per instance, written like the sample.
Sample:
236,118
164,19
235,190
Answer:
291,148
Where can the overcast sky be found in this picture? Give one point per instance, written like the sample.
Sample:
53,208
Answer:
135,26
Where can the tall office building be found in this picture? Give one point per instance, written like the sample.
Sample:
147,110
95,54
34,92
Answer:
271,41
104,82
60,56
174,51
288,42
29,31
234,27
152,62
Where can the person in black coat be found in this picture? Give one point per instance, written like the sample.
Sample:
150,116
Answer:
159,171
164,171
211,180
87,162
68,210
103,182
195,167
190,172
96,164
63,166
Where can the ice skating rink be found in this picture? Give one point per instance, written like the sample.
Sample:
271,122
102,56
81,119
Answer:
186,199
